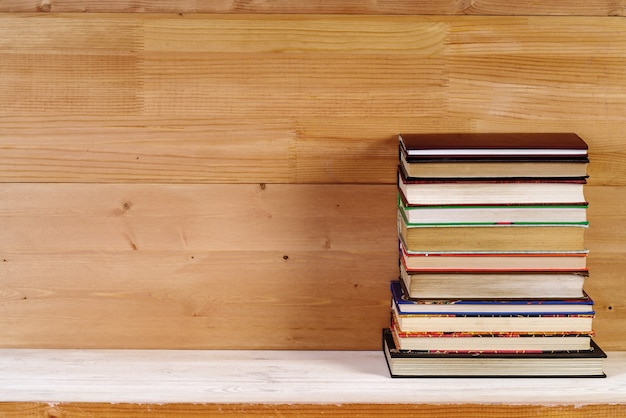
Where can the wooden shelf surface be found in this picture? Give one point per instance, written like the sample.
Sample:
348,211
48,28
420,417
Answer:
272,377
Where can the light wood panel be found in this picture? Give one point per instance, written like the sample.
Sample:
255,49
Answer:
292,99
201,218
185,300
195,266
226,266
478,7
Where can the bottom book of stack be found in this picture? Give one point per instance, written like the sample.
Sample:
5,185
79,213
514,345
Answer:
409,363
490,337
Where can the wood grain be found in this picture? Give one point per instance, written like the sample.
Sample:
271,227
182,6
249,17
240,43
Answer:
191,301
192,266
438,7
292,99
196,266
84,410
148,159
156,173
275,377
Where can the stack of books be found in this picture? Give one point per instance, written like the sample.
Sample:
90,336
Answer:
492,258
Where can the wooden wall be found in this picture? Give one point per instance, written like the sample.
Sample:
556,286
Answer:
227,180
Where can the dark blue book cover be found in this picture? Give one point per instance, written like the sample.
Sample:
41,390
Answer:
535,307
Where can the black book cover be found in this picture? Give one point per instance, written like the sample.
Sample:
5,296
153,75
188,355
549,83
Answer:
391,351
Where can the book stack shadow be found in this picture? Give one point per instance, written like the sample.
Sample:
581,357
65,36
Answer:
492,258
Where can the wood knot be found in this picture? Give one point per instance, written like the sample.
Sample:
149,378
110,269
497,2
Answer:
127,205
45,6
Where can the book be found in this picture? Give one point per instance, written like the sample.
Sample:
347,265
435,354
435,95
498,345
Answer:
480,342
491,237
429,167
496,322
491,191
493,144
575,214
496,261
493,284
408,363
405,305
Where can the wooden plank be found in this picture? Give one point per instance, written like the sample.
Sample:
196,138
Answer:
66,66
191,300
97,149
292,98
475,7
202,218
81,409
195,266
336,300
275,377
534,90
283,34
605,213
607,246
605,284
226,266
550,36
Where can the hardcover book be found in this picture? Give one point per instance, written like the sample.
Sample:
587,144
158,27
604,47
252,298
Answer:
491,237
407,363
493,284
575,214
497,322
491,191
415,261
494,342
405,305
468,168
493,145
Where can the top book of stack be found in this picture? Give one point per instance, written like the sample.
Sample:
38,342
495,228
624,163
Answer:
537,155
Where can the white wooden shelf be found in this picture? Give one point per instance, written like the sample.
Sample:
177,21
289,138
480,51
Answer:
287,377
